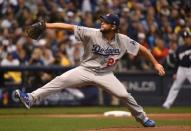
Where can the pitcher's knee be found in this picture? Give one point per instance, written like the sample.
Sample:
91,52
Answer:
57,81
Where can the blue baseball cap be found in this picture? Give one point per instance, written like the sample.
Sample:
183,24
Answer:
111,19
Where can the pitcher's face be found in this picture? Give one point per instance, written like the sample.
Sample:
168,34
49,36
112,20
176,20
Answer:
106,27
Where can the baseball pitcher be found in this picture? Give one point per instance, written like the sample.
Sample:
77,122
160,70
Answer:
102,50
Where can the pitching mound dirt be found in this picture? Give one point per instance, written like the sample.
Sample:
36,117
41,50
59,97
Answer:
162,128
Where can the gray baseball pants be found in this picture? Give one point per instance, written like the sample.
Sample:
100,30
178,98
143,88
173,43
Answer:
81,76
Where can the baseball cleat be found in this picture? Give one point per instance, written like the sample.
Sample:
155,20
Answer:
24,98
149,123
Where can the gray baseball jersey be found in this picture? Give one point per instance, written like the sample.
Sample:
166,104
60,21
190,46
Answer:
101,55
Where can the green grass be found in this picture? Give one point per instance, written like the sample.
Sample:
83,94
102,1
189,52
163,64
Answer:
60,110
172,110
60,124
86,110
21,119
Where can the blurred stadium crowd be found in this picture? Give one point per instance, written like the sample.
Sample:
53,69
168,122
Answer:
156,24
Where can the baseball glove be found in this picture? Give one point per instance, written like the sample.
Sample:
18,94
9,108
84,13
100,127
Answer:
36,30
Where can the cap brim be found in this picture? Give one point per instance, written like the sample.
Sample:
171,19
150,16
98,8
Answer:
104,18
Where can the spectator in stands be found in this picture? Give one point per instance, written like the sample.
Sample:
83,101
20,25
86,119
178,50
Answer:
87,20
142,39
162,18
11,76
144,64
72,18
37,78
123,26
159,51
36,58
150,19
20,52
9,60
47,56
61,59
2,51
151,35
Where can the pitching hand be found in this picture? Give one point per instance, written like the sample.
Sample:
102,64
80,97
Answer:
159,68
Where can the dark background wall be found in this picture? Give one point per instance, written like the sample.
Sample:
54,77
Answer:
146,87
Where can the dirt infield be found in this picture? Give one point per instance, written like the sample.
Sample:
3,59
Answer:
162,128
